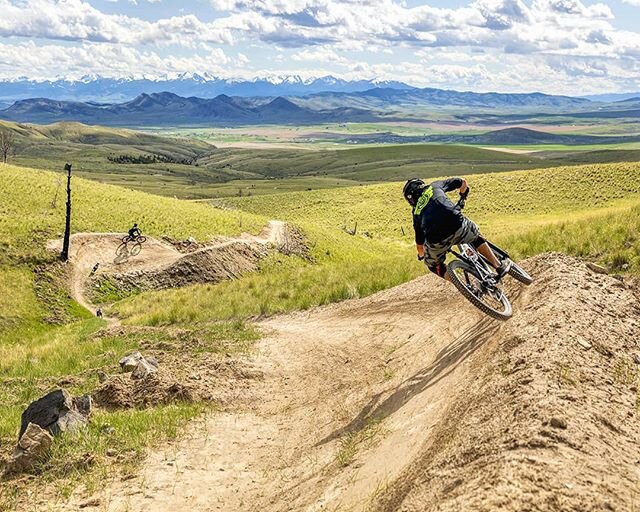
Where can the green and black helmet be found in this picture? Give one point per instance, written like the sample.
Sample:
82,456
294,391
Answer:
413,190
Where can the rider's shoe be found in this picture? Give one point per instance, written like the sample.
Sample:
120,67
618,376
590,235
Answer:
503,269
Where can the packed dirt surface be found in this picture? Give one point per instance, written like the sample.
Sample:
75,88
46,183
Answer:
157,264
411,400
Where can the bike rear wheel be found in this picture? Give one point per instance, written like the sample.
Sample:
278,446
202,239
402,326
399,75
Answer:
490,300
516,271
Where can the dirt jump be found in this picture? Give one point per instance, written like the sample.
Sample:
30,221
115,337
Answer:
412,400
157,264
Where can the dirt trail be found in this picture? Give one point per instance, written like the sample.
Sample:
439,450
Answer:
412,400
227,256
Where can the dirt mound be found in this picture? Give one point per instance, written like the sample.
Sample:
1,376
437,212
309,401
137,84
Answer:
122,391
411,399
550,420
226,260
99,259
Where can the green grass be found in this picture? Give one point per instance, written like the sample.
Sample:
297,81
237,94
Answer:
495,199
47,340
612,238
344,267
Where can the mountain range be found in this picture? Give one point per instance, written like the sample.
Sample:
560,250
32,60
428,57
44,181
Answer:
380,103
96,88
161,109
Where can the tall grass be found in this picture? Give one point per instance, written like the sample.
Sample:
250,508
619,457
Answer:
344,267
611,238
380,209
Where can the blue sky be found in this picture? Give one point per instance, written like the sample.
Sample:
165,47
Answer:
554,46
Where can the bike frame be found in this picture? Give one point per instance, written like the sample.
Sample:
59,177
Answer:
479,263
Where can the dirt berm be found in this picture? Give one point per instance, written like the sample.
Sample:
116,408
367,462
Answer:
411,400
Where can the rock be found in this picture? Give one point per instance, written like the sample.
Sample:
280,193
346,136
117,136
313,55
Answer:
556,422
636,357
57,412
584,343
598,269
34,443
102,377
143,369
129,362
152,361
93,502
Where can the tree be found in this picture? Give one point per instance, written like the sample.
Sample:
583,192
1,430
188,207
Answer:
7,143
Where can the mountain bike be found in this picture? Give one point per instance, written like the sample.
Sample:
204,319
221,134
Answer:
472,275
136,246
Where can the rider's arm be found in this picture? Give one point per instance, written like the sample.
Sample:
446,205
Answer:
419,235
451,184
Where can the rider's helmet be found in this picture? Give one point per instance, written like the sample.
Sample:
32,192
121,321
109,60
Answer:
413,190
135,224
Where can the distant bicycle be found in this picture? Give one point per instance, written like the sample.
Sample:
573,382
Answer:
131,245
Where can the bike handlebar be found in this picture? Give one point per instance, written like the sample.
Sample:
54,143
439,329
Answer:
463,199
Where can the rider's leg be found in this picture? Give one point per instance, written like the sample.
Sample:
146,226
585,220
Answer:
486,251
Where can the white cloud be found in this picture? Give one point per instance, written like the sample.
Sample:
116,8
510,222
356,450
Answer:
472,46
76,20
632,2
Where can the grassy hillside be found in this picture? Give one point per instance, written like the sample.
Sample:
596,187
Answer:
508,207
45,337
496,199
194,169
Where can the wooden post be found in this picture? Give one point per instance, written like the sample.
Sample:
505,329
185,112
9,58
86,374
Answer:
64,256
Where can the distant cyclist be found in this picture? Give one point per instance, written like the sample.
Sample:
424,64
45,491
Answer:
134,232
439,224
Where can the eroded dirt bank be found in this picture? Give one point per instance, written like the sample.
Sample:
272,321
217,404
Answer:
412,400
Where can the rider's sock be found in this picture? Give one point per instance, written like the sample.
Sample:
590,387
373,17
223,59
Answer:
504,267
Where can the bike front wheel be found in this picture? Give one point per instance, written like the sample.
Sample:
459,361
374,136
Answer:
135,249
489,299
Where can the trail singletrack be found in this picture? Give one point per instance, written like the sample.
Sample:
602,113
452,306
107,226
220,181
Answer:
115,258
412,400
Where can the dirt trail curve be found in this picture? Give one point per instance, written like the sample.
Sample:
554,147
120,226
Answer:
411,400
158,262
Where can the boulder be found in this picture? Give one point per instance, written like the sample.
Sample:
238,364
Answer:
143,369
129,362
57,412
34,443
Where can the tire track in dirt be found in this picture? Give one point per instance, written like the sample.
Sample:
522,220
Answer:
156,257
383,403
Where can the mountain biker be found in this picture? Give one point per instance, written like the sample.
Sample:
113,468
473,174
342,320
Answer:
134,232
439,224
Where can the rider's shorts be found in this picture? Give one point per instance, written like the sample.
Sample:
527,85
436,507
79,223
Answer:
437,252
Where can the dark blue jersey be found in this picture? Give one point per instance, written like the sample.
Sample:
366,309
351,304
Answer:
435,217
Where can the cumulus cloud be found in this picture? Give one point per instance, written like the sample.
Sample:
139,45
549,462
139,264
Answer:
76,20
564,38
108,60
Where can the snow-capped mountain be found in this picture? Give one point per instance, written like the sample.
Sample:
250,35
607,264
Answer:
100,89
